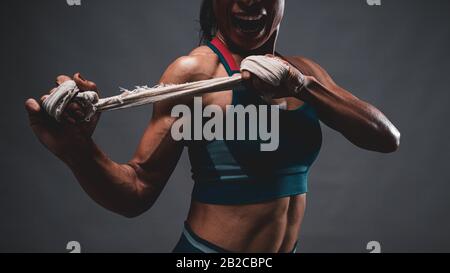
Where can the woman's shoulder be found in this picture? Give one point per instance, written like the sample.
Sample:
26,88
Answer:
200,64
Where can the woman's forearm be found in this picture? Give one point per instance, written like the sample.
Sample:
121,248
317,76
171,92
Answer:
361,123
114,186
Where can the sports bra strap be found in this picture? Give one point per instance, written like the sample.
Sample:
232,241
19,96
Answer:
225,56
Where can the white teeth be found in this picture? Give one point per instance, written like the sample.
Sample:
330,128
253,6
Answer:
248,17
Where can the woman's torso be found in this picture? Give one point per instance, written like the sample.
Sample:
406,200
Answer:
263,226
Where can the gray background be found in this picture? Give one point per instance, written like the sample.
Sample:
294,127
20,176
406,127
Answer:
394,56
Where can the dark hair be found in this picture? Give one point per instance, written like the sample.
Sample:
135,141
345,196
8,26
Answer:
208,23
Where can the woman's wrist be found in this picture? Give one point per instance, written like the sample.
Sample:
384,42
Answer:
79,154
301,84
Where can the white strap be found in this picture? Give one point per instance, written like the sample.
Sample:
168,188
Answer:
270,70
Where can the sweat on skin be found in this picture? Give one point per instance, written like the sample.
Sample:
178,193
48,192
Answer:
235,118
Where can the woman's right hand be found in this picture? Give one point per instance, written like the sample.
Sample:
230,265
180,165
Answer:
66,138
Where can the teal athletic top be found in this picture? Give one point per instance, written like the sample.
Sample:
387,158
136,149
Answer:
233,172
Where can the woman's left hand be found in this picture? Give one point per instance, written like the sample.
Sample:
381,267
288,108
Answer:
290,86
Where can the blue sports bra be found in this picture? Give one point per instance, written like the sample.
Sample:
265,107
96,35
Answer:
232,172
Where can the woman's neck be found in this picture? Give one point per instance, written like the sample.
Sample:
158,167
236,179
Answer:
267,48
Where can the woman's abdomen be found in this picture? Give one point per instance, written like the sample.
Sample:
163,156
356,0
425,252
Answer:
272,226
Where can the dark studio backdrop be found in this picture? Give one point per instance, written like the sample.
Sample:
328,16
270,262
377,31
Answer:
395,56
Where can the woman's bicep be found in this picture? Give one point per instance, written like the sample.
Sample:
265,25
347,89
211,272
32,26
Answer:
158,152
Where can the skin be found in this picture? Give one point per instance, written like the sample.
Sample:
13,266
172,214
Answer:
131,189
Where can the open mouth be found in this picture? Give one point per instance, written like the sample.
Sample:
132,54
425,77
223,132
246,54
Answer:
249,23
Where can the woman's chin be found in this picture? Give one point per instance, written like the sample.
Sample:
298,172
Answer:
249,40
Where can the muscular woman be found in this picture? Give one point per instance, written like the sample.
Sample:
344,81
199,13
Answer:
244,200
